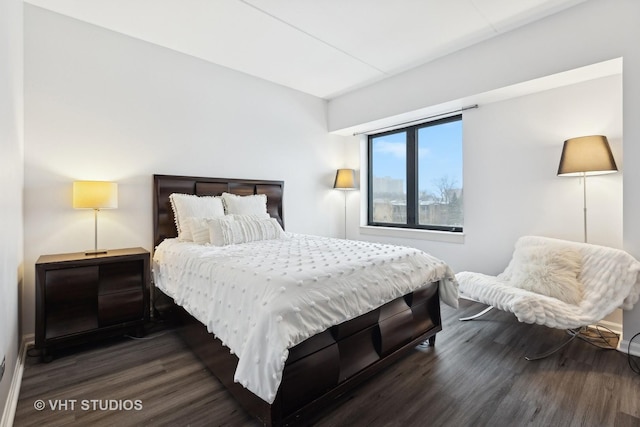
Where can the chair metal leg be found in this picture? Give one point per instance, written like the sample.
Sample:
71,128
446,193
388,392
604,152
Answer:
475,316
574,333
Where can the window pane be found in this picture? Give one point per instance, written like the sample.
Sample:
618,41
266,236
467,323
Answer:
440,174
389,172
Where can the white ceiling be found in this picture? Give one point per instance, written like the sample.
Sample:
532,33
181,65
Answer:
321,47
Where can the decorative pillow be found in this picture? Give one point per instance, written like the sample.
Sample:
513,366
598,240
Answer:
252,228
198,229
548,271
219,230
245,205
189,205
235,229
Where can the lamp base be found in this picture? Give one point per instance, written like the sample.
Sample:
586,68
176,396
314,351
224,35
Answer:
95,252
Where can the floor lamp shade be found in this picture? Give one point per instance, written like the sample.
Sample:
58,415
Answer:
590,155
583,156
345,179
95,195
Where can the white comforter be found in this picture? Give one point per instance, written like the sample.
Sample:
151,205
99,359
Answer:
262,298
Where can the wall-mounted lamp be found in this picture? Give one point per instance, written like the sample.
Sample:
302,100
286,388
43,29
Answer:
95,195
583,156
345,180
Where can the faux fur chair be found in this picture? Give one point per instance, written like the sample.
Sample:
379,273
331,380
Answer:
557,283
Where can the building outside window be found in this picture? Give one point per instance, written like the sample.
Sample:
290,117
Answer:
415,176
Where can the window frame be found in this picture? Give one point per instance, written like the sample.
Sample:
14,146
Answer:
412,172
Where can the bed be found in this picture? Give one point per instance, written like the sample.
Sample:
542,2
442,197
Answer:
285,375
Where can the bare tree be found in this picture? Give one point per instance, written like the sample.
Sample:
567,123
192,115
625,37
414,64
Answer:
446,189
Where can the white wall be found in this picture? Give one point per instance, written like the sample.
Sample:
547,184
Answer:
586,34
511,154
11,147
100,105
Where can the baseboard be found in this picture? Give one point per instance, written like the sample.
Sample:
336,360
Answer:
9,412
615,327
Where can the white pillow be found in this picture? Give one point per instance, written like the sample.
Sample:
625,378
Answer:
548,271
219,230
235,229
252,228
199,229
246,205
189,205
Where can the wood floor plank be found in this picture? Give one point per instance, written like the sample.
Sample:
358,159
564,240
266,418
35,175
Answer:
475,376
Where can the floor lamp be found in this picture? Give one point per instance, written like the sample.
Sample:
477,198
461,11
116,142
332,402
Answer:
345,181
95,195
584,156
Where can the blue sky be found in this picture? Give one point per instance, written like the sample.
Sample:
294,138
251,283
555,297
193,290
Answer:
439,155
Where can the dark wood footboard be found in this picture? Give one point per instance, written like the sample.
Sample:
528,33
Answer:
323,367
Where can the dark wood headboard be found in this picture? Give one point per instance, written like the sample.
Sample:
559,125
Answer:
164,185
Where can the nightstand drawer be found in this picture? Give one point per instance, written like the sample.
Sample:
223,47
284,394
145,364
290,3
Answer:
121,276
67,286
71,296
120,307
71,320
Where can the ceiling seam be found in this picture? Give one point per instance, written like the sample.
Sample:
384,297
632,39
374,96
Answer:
487,20
313,36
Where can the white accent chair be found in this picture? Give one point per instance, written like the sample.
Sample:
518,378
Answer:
607,278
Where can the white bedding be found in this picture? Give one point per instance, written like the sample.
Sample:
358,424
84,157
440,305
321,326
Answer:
264,297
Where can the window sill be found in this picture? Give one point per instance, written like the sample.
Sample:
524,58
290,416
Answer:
411,233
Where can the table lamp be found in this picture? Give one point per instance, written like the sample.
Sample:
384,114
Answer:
95,195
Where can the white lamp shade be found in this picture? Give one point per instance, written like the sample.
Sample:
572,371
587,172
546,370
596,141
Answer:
345,179
589,155
95,195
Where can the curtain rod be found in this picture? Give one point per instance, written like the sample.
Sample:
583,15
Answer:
417,121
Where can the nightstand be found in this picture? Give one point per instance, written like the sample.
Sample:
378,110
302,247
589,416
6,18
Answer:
80,298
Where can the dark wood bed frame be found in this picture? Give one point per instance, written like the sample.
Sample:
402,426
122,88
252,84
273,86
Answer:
325,366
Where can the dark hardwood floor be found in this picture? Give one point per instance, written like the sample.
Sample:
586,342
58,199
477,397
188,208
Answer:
475,376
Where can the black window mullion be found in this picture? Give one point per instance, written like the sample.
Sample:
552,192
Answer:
370,180
412,176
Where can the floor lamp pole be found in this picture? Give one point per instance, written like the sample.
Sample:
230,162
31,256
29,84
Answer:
584,201
345,214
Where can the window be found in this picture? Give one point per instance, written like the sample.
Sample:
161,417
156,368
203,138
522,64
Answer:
415,176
